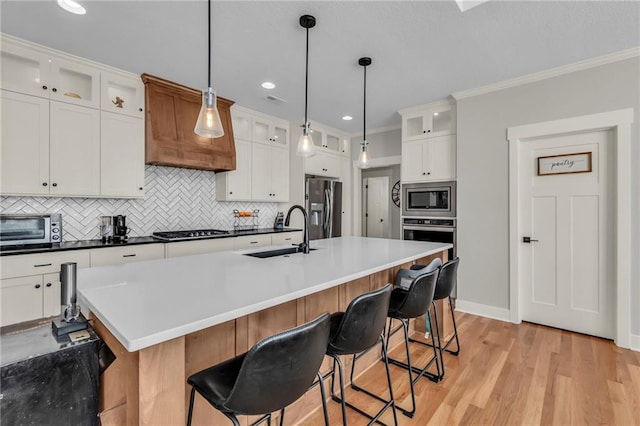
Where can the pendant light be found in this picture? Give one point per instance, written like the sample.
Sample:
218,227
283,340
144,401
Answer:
364,161
306,148
209,124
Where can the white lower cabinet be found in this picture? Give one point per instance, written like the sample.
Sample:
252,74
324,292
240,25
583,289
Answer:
251,241
30,284
284,238
188,248
128,254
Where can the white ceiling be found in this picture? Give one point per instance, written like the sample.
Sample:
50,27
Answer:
422,51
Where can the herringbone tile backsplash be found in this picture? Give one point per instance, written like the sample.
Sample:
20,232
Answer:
174,199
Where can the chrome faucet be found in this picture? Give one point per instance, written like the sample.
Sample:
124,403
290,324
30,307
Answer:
305,241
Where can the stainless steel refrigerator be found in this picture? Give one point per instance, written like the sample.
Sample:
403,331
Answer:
324,205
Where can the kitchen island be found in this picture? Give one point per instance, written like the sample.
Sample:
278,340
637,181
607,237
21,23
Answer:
167,319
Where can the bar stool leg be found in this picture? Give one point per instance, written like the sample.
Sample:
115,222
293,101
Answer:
193,394
341,400
455,332
325,412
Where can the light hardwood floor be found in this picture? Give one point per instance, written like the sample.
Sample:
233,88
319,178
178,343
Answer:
509,374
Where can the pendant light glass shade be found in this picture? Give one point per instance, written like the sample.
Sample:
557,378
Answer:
305,147
364,161
209,124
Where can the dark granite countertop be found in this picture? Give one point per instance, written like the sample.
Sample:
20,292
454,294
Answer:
93,244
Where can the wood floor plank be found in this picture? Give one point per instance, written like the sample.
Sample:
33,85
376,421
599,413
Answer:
508,374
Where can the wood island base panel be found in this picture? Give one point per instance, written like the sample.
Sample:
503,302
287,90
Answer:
149,386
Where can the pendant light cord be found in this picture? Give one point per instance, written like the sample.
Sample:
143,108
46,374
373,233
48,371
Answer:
364,114
209,45
306,83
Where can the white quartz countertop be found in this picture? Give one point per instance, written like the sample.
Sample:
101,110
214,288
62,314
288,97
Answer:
146,303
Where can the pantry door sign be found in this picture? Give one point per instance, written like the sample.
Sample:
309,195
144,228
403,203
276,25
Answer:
565,163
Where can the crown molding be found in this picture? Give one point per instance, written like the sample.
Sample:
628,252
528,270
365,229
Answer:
449,101
550,73
377,130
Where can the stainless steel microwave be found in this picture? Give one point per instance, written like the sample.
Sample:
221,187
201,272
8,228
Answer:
433,199
30,229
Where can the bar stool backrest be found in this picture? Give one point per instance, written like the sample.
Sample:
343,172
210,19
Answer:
419,296
279,369
362,323
446,279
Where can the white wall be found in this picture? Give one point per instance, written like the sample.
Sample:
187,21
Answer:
483,165
383,144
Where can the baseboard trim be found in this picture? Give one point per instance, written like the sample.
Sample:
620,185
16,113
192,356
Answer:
635,342
479,309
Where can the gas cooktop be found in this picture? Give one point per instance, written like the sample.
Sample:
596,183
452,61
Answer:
188,235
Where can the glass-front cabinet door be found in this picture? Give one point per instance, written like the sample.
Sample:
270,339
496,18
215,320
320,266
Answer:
122,95
431,122
74,83
24,71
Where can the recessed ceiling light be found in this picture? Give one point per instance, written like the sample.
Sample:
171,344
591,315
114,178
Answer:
72,6
435,113
268,85
347,118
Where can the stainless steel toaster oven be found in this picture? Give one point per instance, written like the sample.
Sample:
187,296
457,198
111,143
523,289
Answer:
24,230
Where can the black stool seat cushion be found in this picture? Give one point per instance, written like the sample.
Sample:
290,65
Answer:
215,383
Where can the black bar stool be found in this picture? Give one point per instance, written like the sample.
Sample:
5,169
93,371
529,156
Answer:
411,303
354,332
444,287
273,374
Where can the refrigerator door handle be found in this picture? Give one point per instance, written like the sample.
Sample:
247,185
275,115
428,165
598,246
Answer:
327,213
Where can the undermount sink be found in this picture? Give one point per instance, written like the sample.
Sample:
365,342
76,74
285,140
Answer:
276,252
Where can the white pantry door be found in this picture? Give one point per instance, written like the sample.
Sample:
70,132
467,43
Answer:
377,213
567,275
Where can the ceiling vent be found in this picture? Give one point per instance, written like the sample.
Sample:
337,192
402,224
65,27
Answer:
275,99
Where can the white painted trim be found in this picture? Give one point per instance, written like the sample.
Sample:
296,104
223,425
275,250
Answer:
487,311
550,73
635,342
419,108
377,130
357,188
620,121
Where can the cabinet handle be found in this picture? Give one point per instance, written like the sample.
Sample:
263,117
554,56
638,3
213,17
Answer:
429,131
140,188
253,242
48,284
424,131
428,173
54,184
54,90
44,184
288,239
41,265
44,87
423,173
230,192
37,286
140,109
129,255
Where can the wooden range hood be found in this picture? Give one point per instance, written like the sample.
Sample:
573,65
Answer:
172,111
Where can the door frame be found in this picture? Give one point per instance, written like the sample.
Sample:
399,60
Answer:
620,122
357,187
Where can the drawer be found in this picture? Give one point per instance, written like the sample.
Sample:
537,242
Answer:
43,263
286,238
188,248
122,255
251,241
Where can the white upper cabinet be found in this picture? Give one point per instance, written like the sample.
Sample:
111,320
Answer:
435,121
69,127
121,95
74,156
270,131
323,164
24,155
329,140
25,70
262,159
429,159
33,72
121,174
